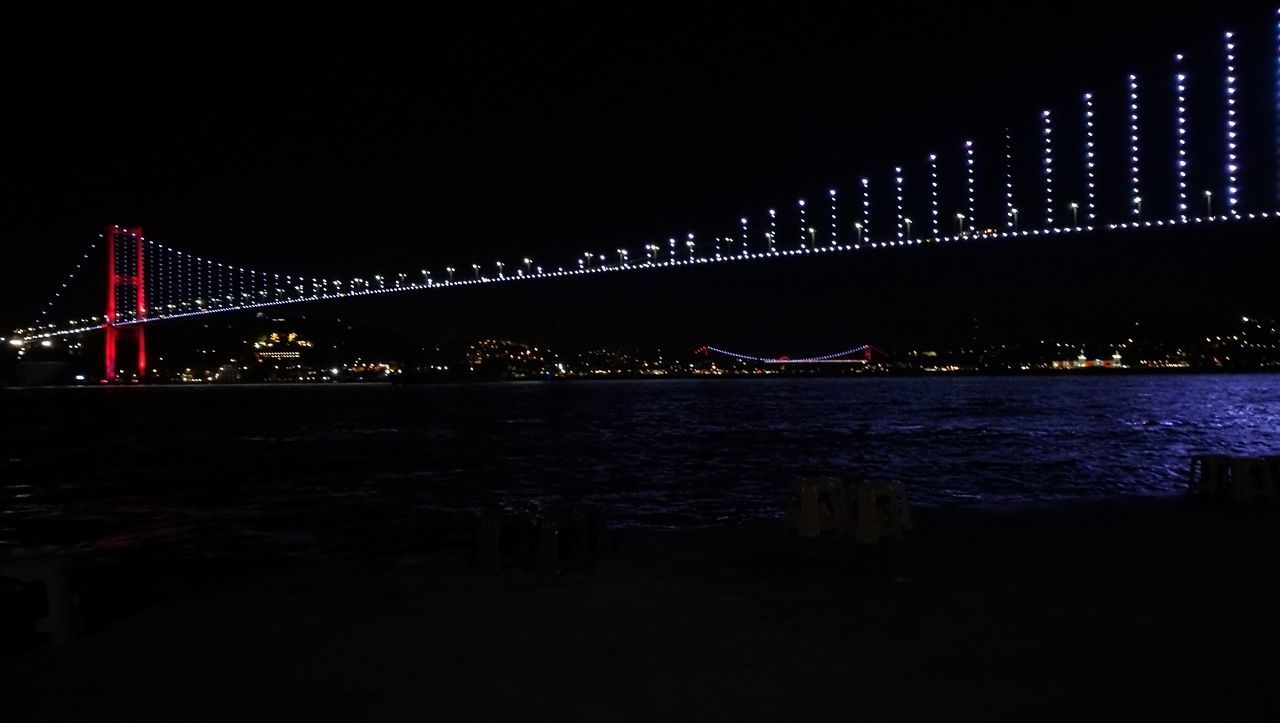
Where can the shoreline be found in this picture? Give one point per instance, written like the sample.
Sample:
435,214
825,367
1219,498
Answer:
976,374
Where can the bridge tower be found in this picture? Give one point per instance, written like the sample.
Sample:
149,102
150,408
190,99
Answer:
125,281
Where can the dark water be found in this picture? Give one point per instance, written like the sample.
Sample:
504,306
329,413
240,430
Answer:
309,471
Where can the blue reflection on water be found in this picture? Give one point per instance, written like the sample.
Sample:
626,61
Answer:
310,470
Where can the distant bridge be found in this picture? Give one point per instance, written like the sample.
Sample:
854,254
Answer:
857,355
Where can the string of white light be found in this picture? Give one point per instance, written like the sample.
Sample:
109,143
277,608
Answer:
1233,166
804,226
866,210
973,185
1135,189
835,233
897,183
933,195
66,282
1090,161
1048,167
1010,211
1180,123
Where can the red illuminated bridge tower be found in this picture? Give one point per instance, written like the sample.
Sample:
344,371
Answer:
126,297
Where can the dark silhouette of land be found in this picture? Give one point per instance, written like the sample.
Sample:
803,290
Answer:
1137,609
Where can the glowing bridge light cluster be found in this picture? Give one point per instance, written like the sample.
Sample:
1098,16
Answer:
897,184
806,233
865,231
1010,217
1180,86
971,176
156,281
1047,133
1135,185
933,195
835,230
1233,165
1090,186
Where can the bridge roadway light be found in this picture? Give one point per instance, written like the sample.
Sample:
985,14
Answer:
476,268
1137,206
960,221
1014,211
907,221
1208,203
1075,214
858,227
450,271
499,268
813,236
528,263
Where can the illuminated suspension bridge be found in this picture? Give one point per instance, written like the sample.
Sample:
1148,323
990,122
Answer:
148,281
857,355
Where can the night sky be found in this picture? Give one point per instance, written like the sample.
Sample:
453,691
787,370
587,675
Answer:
486,134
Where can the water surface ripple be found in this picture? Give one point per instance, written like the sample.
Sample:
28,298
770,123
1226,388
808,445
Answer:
305,471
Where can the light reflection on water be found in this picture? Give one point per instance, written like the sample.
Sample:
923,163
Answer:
306,471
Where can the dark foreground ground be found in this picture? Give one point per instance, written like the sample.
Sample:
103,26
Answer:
1097,611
